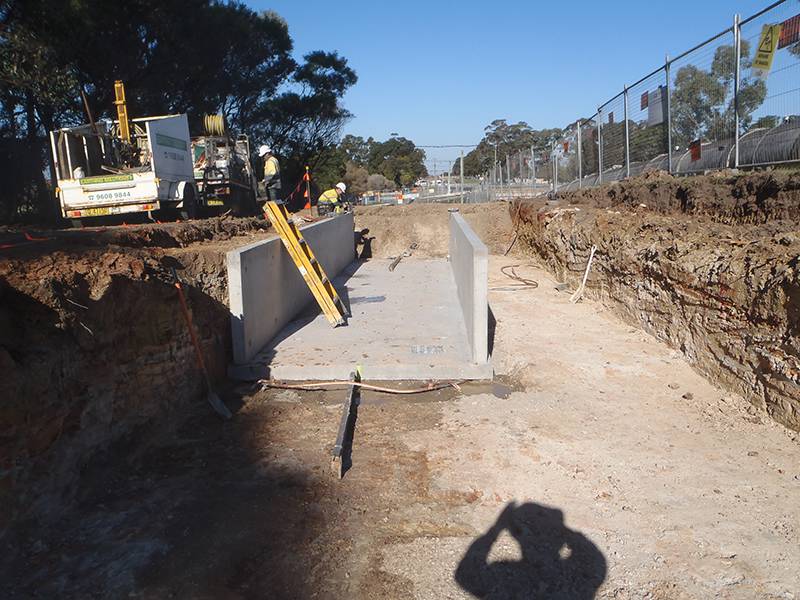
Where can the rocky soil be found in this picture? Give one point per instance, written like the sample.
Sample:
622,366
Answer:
709,264
93,347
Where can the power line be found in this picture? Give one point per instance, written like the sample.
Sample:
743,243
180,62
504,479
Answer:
450,146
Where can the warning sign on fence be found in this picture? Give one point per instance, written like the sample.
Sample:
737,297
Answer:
765,53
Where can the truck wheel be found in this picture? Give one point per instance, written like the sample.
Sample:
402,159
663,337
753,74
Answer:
190,208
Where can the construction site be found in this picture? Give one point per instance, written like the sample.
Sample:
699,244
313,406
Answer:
627,431
244,355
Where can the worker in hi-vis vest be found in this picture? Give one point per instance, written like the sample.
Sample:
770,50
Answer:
329,200
271,186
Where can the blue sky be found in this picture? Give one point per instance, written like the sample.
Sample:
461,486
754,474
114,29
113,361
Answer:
439,72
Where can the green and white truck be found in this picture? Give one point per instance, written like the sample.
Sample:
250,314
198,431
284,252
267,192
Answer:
100,173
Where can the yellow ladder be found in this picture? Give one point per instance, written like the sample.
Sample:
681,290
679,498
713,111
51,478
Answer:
306,263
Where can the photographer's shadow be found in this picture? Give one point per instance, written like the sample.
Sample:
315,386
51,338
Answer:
557,562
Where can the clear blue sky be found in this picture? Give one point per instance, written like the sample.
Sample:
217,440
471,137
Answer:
438,72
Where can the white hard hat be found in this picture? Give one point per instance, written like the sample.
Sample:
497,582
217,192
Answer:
341,186
264,149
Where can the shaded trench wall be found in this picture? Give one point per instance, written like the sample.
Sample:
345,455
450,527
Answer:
716,277
93,351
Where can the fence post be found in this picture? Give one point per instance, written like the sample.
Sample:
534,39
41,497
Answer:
508,170
461,175
555,167
599,146
669,114
737,44
533,171
580,157
521,177
627,134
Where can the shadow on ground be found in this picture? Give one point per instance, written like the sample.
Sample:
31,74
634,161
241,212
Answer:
556,563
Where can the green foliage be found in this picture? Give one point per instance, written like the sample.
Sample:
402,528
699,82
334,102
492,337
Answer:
702,100
508,140
356,149
192,56
397,159
366,165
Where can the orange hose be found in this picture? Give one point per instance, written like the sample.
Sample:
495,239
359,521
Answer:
377,388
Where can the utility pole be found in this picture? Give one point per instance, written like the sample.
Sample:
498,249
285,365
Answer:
499,168
449,171
461,175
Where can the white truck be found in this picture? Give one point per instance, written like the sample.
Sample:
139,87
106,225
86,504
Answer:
100,174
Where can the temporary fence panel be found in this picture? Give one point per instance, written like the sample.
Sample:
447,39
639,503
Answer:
589,151
611,117
566,154
769,91
701,104
647,123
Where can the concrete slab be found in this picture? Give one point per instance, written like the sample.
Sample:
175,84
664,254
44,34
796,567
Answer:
405,324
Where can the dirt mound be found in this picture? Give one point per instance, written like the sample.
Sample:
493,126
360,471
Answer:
19,243
724,197
395,228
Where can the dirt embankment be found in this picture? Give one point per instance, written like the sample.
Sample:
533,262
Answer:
723,197
93,346
708,264
395,228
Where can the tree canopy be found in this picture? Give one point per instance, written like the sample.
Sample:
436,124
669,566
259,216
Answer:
508,139
369,165
702,99
192,56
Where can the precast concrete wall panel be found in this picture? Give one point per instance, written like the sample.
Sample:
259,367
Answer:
265,289
469,260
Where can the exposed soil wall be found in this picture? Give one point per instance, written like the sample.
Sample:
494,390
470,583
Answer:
707,264
94,348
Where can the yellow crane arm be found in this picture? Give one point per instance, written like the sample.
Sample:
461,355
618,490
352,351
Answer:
122,111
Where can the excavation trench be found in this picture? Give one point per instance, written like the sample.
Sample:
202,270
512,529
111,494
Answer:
105,430
94,350
708,265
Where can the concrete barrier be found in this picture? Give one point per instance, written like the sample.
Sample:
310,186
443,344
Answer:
265,289
469,260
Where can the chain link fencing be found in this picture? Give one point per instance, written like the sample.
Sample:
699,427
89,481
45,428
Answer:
732,101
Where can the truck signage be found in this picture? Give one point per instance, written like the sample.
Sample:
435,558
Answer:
105,179
170,142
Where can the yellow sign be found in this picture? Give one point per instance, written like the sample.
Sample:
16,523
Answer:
95,212
770,35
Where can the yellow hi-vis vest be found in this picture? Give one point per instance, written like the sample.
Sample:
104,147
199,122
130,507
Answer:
272,173
329,197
